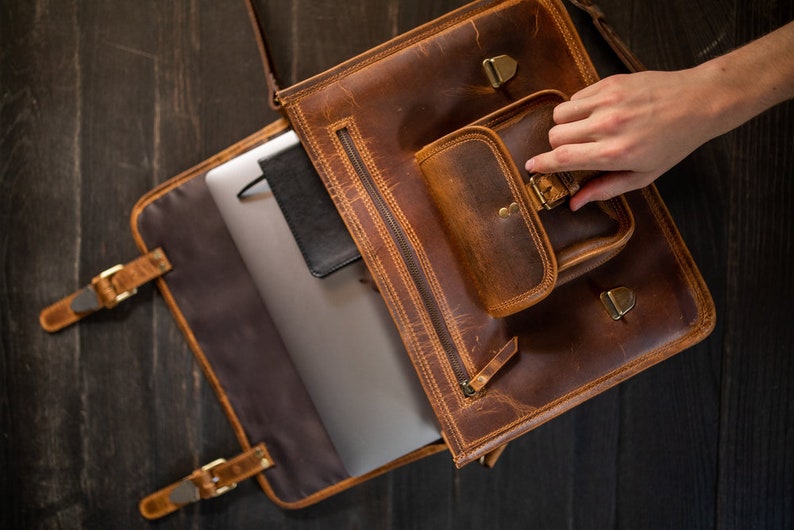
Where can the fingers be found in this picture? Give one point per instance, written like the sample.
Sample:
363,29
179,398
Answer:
570,157
609,185
571,111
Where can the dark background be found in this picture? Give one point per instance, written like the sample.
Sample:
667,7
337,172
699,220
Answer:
102,100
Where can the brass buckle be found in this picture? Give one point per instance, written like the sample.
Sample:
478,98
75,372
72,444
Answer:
120,297
223,489
187,492
541,195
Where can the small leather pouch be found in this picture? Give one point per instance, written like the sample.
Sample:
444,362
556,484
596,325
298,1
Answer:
505,225
318,229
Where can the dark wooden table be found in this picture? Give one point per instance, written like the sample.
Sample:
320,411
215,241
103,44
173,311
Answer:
103,100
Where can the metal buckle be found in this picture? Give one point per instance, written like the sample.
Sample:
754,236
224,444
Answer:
120,297
541,195
187,492
208,468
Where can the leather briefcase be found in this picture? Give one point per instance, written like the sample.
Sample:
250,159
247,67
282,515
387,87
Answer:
512,308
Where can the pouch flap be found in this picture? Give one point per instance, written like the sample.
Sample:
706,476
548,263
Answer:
490,219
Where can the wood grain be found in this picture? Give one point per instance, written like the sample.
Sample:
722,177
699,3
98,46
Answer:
103,100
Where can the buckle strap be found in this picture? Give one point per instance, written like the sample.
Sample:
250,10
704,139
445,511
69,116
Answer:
206,482
105,290
548,190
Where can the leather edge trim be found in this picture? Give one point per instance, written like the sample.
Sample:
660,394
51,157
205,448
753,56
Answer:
330,491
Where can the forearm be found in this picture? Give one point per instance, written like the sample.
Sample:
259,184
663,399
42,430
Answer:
751,79
635,127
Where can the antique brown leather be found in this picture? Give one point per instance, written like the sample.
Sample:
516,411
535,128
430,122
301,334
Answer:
363,123
105,291
492,220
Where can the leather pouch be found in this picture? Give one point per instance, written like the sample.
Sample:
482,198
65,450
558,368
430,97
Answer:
502,223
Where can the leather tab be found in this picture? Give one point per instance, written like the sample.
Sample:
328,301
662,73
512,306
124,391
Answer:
494,365
105,290
212,480
489,460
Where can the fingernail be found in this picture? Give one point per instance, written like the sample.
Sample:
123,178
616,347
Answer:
530,164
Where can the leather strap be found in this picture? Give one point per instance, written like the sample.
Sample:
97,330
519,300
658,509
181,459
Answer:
206,482
105,291
490,459
264,54
617,44
547,190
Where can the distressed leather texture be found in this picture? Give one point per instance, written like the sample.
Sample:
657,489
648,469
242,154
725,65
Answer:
364,121
514,248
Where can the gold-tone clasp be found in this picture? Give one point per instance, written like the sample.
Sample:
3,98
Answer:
542,195
618,301
500,69
119,297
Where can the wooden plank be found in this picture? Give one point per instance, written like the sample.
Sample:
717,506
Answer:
757,435
101,102
41,193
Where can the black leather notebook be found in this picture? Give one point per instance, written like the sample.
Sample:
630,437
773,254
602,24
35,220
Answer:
318,229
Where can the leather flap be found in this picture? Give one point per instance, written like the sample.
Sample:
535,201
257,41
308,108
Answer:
490,219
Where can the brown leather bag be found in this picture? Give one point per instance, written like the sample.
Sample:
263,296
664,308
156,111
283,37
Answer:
512,308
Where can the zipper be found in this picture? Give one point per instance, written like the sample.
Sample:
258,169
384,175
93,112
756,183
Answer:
410,259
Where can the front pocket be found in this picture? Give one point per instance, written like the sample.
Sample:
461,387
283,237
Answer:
504,225
487,213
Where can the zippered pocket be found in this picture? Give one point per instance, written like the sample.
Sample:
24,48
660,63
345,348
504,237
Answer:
469,385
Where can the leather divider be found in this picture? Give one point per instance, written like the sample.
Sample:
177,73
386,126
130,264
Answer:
515,244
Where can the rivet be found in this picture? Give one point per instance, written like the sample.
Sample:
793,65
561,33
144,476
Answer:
265,463
513,207
481,379
504,213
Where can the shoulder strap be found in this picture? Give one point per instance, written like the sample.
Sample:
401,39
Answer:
264,53
609,34
614,40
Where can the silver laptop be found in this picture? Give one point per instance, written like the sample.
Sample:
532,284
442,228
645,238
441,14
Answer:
337,329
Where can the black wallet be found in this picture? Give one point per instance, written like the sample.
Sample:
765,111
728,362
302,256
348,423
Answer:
322,237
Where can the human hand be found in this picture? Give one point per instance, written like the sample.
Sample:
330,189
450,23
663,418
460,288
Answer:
634,127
